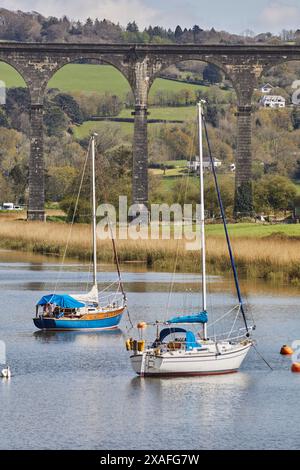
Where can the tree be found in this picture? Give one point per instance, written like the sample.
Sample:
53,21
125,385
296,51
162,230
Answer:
14,151
82,213
212,115
212,74
226,186
55,120
274,192
132,27
69,106
60,182
6,192
196,33
178,33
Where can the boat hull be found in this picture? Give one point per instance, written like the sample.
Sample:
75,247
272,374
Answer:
62,324
189,363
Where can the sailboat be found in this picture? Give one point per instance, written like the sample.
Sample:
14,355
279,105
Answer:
178,351
87,311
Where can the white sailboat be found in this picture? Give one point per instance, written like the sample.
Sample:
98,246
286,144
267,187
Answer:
178,351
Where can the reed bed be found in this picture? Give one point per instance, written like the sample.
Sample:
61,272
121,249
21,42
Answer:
265,257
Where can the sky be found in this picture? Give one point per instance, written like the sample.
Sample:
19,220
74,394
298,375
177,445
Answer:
234,16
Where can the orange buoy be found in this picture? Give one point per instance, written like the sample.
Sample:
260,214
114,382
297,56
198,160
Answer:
295,367
286,350
141,325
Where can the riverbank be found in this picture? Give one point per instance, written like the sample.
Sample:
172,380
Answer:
272,253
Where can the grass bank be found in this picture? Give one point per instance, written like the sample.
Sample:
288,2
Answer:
266,254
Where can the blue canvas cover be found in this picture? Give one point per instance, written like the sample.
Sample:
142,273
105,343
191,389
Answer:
63,301
200,317
168,331
191,341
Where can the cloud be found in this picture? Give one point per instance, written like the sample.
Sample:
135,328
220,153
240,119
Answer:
276,16
121,11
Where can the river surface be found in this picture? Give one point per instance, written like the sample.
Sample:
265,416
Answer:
77,390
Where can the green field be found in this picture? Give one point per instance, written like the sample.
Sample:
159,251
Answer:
257,230
178,113
184,113
89,78
126,128
9,76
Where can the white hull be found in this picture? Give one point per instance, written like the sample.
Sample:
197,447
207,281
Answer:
212,358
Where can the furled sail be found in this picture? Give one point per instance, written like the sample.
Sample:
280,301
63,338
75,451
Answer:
200,317
91,296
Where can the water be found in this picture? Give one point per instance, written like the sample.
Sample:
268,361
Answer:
78,391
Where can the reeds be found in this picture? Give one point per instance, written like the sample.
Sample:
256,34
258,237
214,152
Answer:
265,257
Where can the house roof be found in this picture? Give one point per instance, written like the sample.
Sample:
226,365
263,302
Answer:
273,98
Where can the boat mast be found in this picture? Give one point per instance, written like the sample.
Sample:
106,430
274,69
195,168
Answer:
233,266
94,210
202,216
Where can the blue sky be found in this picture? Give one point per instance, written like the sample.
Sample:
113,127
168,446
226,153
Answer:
230,15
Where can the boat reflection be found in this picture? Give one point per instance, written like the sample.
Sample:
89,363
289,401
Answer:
45,336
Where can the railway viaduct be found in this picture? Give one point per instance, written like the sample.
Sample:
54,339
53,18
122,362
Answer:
141,64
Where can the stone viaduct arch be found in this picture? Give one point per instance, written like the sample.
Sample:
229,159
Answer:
141,64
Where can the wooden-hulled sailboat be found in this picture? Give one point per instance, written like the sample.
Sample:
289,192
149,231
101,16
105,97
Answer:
87,311
178,351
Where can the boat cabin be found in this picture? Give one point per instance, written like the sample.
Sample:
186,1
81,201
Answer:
176,338
57,306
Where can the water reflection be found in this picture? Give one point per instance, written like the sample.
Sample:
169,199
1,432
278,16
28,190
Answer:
96,392
70,336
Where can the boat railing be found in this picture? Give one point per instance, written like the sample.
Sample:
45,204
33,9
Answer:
179,344
112,299
233,335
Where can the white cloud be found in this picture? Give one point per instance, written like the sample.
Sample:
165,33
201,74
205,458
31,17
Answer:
276,16
121,11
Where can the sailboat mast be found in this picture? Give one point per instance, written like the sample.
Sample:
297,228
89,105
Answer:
94,211
202,216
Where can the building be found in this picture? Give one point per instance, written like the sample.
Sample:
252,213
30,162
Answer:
266,88
194,166
272,101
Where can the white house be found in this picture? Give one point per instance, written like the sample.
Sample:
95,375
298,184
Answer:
272,101
194,166
266,88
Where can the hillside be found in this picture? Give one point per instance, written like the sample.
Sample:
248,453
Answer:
34,27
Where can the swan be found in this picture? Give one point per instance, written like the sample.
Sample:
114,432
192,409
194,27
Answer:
6,373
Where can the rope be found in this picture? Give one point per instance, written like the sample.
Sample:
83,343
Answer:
233,325
73,218
223,316
261,356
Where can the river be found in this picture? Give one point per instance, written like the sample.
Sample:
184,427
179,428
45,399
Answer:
77,390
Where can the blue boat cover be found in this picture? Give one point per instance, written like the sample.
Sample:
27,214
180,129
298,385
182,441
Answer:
168,331
190,339
200,317
64,301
